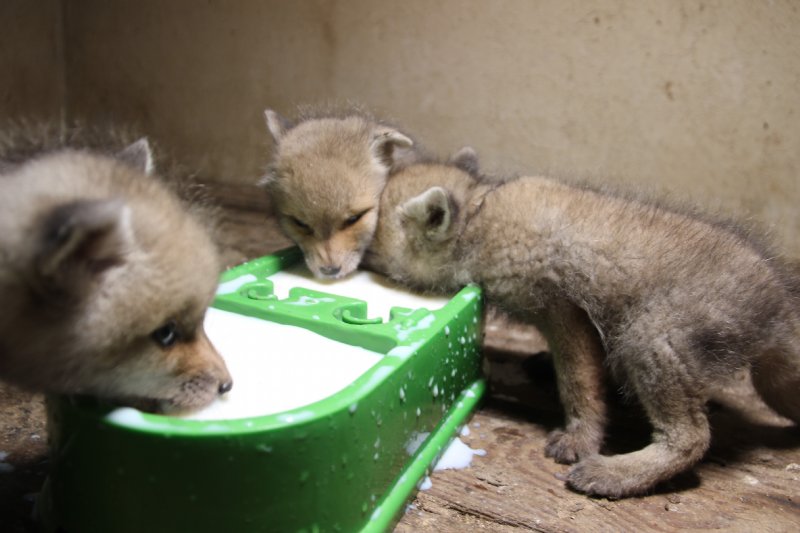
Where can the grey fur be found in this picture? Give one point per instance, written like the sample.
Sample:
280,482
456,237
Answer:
22,140
138,155
466,159
667,301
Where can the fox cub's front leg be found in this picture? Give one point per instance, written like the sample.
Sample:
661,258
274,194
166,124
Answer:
578,357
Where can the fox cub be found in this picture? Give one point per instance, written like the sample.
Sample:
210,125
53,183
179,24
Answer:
666,301
105,279
325,181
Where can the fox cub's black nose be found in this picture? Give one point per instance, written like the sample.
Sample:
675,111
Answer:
330,270
225,386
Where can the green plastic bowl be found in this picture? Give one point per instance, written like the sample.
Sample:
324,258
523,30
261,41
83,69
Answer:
345,463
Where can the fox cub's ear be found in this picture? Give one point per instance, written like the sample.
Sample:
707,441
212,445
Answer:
432,212
81,239
389,146
138,155
466,159
276,124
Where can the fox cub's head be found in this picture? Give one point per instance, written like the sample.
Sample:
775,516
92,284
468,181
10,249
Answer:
423,209
325,182
117,279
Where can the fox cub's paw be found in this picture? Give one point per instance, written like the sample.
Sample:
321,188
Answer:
569,447
597,475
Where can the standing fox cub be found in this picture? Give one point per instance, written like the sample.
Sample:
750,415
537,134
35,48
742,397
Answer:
325,182
105,279
668,302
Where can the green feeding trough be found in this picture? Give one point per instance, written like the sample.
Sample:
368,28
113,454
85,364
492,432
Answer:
347,462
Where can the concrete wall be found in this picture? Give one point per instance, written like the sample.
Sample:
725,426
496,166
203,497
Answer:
197,75
31,81
695,97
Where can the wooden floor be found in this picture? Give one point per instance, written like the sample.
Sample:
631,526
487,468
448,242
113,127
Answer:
748,481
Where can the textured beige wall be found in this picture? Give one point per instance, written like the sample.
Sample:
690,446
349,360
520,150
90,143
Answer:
197,75
701,98
696,97
31,83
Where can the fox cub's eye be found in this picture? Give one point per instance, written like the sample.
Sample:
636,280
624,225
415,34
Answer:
349,221
300,224
166,335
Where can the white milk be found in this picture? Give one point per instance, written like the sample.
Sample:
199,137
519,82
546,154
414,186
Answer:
276,367
380,293
457,456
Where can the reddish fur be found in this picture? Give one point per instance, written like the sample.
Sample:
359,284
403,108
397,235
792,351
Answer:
80,319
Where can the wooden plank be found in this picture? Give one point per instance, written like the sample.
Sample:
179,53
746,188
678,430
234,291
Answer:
749,480
23,443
